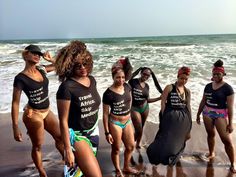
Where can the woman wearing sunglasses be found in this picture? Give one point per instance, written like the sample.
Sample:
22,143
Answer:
141,100
37,115
78,104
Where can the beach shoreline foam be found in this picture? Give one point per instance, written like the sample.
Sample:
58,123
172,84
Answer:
16,161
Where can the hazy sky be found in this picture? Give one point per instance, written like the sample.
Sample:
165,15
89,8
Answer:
42,19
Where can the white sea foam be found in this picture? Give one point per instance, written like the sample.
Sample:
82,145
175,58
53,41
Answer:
163,57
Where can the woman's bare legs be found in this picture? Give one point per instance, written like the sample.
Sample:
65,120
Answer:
226,138
138,122
35,129
138,129
128,139
86,160
116,133
210,129
51,125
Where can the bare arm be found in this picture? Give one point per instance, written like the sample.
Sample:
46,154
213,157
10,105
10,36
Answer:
164,96
200,108
105,123
151,100
50,59
15,113
63,107
230,103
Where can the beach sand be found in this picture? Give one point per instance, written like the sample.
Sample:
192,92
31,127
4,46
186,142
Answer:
15,158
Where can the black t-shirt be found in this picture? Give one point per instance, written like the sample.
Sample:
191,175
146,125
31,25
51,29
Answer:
119,104
174,101
37,92
84,105
139,94
217,98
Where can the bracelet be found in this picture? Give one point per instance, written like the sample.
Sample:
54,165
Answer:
107,133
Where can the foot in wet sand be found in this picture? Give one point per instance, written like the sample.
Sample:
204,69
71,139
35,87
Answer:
207,156
210,156
119,173
131,171
232,169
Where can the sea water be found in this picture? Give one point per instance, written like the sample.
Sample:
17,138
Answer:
164,55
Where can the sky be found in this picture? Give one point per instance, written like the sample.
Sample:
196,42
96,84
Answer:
51,19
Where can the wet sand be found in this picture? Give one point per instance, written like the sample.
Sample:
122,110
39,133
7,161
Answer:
15,159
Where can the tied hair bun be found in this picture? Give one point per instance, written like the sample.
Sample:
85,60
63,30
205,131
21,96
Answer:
218,63
124,64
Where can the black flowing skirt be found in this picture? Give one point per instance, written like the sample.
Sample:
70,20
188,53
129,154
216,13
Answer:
169,143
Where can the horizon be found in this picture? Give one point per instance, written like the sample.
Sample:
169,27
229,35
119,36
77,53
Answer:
59,19
124,37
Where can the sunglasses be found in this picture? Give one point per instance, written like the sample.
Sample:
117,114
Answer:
80,65
145,74
36,53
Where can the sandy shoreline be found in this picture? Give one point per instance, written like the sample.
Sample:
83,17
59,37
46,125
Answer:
15,158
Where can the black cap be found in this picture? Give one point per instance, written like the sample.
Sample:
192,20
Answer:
34,49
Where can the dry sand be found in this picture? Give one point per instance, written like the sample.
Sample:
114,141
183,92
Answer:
15,159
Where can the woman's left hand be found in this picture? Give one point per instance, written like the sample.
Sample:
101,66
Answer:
48,57
229,128
109,139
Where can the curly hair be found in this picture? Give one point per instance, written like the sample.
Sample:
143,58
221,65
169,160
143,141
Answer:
69,56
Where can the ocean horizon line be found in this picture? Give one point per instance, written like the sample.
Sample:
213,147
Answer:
115,37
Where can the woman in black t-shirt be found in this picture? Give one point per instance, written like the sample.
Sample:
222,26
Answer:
78,103
175,122
217,109
37,114
116,116
140,100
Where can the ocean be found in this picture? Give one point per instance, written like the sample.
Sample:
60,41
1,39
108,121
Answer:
164,55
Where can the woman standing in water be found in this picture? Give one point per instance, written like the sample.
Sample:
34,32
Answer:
140,100
116,116
217,109
175,123
78,104
37,115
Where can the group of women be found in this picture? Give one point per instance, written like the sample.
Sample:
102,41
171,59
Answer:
125,105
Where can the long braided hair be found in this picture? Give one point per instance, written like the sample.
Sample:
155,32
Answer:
156,83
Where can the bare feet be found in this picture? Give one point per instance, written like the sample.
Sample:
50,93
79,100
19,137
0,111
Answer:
130,170
119,173
207,157
232,169
210,156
